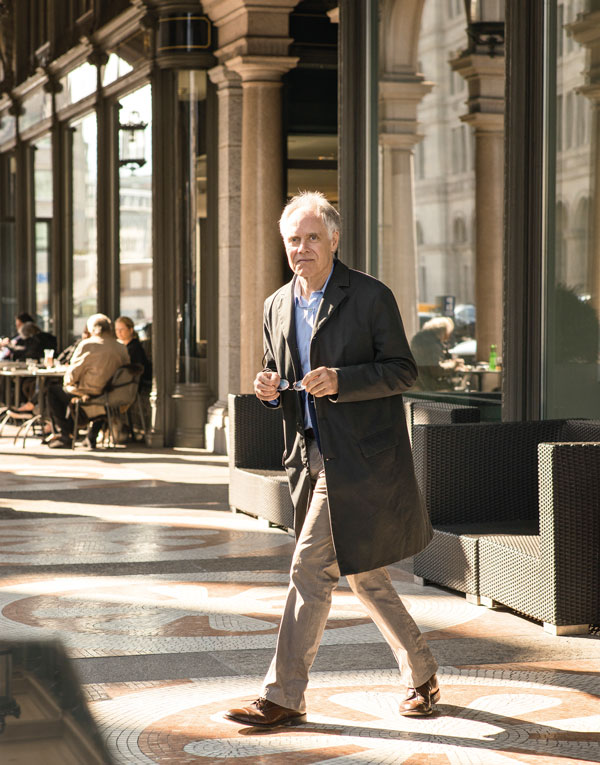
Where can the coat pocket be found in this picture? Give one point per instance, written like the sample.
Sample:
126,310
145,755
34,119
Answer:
379,442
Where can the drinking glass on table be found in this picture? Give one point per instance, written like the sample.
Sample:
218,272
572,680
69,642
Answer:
48,357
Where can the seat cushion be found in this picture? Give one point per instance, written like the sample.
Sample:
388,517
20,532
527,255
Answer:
263,493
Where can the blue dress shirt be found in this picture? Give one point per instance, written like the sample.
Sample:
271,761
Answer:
305,314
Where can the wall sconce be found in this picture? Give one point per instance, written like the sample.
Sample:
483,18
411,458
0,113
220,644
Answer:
133,142
8,705
485,26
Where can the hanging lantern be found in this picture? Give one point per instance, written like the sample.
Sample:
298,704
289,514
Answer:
8,705
133,142
485,26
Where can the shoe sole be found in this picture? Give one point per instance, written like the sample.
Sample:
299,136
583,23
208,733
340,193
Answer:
435,697
299,720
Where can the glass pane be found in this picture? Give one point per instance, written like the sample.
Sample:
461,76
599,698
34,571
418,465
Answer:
444,200
36,107
573,255
8,270
135,212
42,274
191,308
43,215
78,84
8,127
85,267
8,279
115,67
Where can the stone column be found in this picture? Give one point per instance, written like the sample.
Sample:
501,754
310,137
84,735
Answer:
398,102
229,206
485,78
262,254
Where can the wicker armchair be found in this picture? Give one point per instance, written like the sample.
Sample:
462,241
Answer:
510,526
419,412
257,481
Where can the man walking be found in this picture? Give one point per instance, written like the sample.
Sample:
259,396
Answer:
336,360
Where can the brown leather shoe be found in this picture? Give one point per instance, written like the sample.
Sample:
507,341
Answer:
266,714
419,701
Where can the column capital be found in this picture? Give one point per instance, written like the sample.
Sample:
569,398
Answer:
262,68
485,122
485,77
586,31
224,78
251,27
399,97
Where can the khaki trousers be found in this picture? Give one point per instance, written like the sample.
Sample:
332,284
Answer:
314,575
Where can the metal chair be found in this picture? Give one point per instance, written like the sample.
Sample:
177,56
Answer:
118,396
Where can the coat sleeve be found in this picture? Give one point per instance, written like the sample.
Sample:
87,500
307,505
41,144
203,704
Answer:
393,369
268,360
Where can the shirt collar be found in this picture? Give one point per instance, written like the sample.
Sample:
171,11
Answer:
298,292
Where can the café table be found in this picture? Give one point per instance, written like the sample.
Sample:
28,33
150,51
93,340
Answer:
41,374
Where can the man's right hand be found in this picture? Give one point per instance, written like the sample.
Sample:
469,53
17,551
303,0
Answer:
265,385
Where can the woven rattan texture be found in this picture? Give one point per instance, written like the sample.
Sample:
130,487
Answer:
437,413
255,433
262,493
570,529
512,577
481,471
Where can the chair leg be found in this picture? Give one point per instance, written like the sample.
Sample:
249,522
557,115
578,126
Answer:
26,428
566,629
75,424
141,414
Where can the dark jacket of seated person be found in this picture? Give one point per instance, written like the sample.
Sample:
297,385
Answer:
137,355
29,344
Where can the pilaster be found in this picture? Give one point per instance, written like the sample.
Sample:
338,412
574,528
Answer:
485,77
399,97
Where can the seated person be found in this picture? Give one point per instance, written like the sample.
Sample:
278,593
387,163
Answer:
92,365
127,335
65,356
430,349
29,343
7,343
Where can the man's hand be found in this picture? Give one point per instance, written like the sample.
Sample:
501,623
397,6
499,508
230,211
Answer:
321,381
265,385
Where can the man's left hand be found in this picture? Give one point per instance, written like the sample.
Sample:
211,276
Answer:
321,382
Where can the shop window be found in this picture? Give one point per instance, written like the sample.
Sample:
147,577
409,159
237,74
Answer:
135,205
443,194
84,235
8,272
42,173
572,255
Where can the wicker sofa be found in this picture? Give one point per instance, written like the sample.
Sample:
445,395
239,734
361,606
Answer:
516,514
257,481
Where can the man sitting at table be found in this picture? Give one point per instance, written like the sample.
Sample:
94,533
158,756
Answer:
93,364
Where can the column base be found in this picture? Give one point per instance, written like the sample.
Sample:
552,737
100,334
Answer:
190,403
216,431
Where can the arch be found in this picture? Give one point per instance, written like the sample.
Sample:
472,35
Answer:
399,36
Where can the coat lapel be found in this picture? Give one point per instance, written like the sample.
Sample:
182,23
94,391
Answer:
288,323
334,295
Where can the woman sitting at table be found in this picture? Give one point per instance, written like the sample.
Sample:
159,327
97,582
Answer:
127,335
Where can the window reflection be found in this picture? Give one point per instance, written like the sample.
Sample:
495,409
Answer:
85,269
135,215
573,257
42,164
444,184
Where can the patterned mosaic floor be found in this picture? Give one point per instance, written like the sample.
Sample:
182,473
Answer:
170,613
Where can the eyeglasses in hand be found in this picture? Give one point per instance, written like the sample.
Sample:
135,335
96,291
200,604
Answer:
285,385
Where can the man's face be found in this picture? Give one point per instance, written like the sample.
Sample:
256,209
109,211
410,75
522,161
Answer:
308,246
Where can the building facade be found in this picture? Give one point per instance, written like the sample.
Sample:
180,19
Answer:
147,148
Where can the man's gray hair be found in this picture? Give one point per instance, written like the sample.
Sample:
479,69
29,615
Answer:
316,201
99,324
